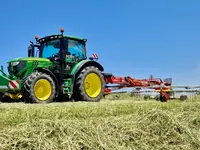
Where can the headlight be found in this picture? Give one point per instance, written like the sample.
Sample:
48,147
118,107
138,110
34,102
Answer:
15,63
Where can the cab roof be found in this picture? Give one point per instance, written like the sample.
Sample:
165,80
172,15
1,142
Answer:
58,36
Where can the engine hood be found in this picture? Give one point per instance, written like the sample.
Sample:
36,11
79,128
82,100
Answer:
30,59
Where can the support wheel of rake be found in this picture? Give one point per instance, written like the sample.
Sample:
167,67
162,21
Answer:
164,97
157,97
39,88
89,85
183,97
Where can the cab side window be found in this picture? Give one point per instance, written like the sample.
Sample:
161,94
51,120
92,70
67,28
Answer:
76,48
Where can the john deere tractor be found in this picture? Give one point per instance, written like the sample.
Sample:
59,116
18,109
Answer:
56,67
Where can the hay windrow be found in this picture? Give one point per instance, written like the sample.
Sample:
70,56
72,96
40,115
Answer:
104,126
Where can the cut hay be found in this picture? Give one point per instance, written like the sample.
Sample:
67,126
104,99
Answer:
106,125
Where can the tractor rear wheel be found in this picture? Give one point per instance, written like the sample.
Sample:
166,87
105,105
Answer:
39,88
89,85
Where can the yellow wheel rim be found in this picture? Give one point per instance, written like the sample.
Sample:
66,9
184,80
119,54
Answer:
92,85
42,89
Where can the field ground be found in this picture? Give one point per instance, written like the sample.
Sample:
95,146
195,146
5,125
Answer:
109,124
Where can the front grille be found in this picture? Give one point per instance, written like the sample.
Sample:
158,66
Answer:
19,67
14,70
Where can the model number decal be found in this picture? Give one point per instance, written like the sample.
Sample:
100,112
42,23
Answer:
35,64
70,56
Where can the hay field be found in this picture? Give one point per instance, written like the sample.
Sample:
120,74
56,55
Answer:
110,124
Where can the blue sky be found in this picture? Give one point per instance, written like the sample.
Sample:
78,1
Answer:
135,38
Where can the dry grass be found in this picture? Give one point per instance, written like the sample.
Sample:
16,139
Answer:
123,124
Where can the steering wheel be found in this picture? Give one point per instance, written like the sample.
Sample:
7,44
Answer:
55,57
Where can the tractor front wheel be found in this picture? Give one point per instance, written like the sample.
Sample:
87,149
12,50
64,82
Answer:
39,88
89,85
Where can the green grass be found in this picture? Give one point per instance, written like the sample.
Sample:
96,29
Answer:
118,124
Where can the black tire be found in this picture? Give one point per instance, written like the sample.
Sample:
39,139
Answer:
162,99
79,89
157,97
28,88
183,97
147,97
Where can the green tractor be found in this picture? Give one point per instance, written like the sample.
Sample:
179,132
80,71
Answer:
56,67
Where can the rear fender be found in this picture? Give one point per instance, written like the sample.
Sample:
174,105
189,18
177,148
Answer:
81,65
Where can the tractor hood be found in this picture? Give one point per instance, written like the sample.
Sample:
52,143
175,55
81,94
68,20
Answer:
29,59
19,65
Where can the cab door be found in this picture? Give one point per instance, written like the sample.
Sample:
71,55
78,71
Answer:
74,54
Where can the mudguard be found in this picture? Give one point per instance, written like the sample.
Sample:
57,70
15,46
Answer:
84,63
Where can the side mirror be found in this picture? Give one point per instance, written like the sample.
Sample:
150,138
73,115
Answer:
2,68
31,51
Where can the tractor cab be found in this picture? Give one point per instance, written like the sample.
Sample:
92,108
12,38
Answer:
65,50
